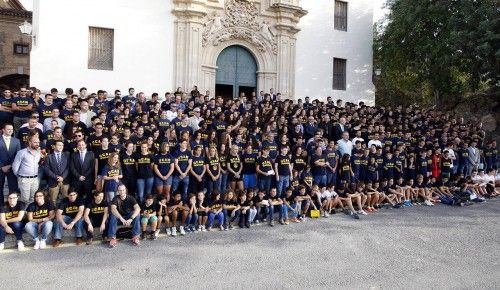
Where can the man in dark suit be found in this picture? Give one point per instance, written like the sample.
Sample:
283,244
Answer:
339,129
8,149
56,168
82,168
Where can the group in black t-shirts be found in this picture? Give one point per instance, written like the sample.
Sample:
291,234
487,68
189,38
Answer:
193,163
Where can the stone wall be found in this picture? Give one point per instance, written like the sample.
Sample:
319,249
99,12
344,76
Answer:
11,63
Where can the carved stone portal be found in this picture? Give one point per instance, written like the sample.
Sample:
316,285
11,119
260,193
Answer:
240,21
266,28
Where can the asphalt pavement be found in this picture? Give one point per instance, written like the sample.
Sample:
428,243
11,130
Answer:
438,247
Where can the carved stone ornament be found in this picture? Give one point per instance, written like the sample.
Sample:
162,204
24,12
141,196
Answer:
239,22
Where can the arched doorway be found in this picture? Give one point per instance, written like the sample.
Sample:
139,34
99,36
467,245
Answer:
236,72
15,81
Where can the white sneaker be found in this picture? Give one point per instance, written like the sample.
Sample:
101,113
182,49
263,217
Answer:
362,212
203,229
2,246
20,246
169,232
327,214
427,202
181,229
200,228
174,232
37,244
156,234
43,244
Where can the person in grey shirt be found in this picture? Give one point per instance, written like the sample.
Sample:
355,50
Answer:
474,155
345,145
55,116
25,167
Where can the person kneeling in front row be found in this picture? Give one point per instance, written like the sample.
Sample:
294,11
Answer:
126,210
40,215
11,216
69,216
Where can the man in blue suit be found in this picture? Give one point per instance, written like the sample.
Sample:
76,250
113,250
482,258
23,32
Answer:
8,148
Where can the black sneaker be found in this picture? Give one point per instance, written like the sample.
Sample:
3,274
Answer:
247,224
355,215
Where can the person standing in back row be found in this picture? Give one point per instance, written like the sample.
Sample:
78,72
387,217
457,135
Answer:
8,148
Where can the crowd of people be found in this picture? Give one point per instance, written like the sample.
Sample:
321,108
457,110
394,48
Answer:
189,162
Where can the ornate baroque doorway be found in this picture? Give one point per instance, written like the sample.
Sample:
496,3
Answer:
236,72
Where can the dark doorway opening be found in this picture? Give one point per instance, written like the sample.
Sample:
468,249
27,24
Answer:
247,90
225,91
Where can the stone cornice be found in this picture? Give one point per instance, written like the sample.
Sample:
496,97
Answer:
16,13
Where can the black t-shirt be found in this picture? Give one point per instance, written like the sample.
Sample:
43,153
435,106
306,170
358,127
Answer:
234,162
213,165
102,157
249,163
97,209
128,165
290,199
144,165
265,164
316,169
70,208
40,211
153,207
183,158
95,142
125,206
163,162
283,165
198,163
12,212
299,163
216,205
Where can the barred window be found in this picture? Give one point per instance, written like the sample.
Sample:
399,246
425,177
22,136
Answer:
101,42
21,48
340,15
339,74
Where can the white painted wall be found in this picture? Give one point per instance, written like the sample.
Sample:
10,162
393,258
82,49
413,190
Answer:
143,47
318,43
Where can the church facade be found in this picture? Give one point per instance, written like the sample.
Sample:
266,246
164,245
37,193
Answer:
299,48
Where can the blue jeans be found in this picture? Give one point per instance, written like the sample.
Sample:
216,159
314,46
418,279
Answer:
264,184
227,216
17,228
113,224
465,169
272,209
192,219
331,177
249,181
287,209
223,183
212,185
32,229
319,180
58,228
212,216
283,184
262,212
144,186
185,186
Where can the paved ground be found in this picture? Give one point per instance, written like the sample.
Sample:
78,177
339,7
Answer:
421,247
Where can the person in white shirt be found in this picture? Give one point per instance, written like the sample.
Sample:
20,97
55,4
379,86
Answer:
195,120
358,138
55,116
172,113
375,141
85,114
345,145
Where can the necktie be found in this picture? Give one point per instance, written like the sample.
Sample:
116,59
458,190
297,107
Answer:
58,159
7,143
82,157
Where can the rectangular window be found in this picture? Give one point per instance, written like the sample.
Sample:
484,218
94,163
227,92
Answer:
101,42
339,74
340,15
21,48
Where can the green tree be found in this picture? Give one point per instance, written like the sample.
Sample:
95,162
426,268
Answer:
434,51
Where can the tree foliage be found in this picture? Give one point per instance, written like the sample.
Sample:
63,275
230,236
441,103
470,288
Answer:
434,51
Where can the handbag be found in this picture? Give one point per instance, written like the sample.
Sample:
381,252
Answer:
315,213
